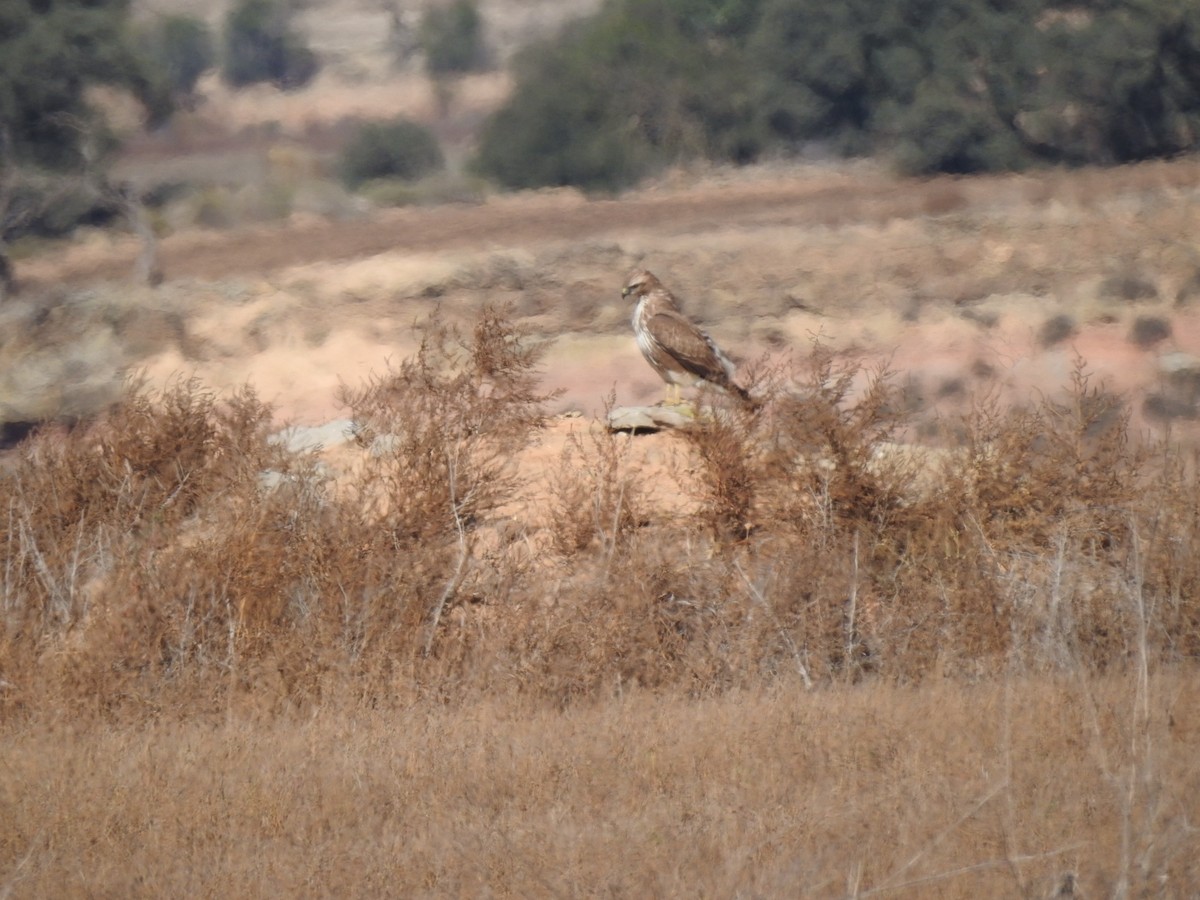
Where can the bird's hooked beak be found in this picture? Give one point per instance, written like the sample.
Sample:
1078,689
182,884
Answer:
626,291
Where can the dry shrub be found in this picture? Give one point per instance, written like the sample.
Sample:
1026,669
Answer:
1189,290
444,426
150,544
595,493
1129,286
427,515
724,483
860,555
149,554
655,615
101,521
822,457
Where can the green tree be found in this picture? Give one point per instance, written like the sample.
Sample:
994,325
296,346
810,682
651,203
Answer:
639,86
936,86
182,48
262,44
1124,84
50,136
930,85
452,38
49,54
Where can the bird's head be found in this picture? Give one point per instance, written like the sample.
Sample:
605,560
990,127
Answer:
639,283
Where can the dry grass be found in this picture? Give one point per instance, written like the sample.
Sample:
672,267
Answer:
994,790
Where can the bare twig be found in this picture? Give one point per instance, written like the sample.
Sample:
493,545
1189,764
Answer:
618,506
852,606
464,552
966,870
757,596
941,836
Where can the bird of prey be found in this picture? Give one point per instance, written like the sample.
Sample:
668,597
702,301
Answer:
676,349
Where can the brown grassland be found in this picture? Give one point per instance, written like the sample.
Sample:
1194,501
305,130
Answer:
925,623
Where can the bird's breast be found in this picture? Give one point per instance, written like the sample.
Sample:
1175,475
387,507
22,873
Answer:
645,340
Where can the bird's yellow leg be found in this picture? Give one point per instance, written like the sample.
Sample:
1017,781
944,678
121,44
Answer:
676,401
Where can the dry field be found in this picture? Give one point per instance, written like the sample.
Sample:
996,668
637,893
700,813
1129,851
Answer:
1000,789
489,650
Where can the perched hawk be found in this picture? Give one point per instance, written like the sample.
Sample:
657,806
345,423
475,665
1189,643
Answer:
675,348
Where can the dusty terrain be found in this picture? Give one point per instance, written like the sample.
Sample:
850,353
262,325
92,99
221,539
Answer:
951,282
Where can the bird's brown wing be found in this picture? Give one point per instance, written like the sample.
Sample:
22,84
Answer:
687,345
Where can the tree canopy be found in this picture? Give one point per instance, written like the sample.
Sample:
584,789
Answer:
182,48
452,37
51,51
934,85
261,43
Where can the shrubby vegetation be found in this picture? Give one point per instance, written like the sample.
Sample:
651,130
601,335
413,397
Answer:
961,86
452,38
620,94
173,541
55,146
262,44
49,55
400,148
182,48
52,142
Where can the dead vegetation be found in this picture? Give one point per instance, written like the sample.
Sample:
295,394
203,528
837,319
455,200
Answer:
148,550
1041,582
1001,789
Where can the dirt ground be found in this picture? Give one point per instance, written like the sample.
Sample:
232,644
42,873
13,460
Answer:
961,286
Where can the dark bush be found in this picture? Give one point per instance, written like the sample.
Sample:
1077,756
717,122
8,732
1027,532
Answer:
561,131
1149,330
1131,287
1056,329
182,47
47,206
929,85
397,149
945,131
261,44
1121,83
452,38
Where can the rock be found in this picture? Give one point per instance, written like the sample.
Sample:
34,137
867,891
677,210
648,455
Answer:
272,479
649,419
1179,364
